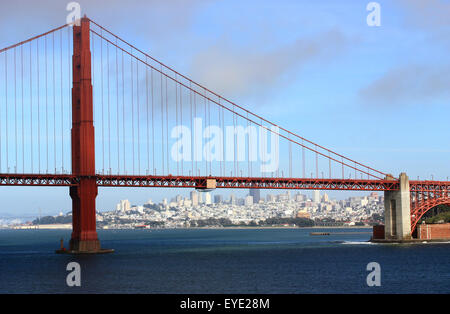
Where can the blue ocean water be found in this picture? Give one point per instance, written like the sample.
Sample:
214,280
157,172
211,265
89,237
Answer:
222,261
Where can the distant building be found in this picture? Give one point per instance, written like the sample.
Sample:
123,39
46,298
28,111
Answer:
248,200
316,196
124,205
256,194
218,199
288,195
270,198
283,197
194,198
299,197
208,198
303,214
232,199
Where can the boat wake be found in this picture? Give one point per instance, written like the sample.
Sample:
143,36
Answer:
358,242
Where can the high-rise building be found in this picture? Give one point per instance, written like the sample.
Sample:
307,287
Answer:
248,200
316,196
208,198
232,199
218,199
256,194
299,197
124,205
270,198
194,198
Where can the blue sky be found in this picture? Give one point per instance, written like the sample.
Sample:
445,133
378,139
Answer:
379,95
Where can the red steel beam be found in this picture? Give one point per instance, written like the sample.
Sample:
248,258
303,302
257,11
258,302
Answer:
222,182
10,179
247,183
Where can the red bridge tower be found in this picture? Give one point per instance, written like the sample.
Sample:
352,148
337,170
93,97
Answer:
84,235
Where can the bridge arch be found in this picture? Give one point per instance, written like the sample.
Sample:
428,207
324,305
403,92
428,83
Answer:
418,209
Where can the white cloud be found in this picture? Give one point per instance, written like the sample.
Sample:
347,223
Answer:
236,70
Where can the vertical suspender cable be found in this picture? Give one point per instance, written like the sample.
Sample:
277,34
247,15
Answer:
38,107
46,101
123,114
192,129
206,121
109,109
23,120
162,123
303,160
148,126
31,112
223,141
181,123
153,125
176,113
6,116
195,115
167,129
15,111
54,103
103,113
209,135
138,118
317,163
249,146
117,110
132,106
62,106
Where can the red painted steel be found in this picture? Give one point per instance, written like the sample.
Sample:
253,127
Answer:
424,194
199,182
84,182
84,234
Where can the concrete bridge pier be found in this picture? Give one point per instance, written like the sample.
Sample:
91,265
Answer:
397,211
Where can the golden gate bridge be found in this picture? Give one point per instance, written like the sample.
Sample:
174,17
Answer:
83,108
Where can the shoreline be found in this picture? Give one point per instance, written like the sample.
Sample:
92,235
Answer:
277,227
67,226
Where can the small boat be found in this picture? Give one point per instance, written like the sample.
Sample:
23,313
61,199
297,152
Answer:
319,233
